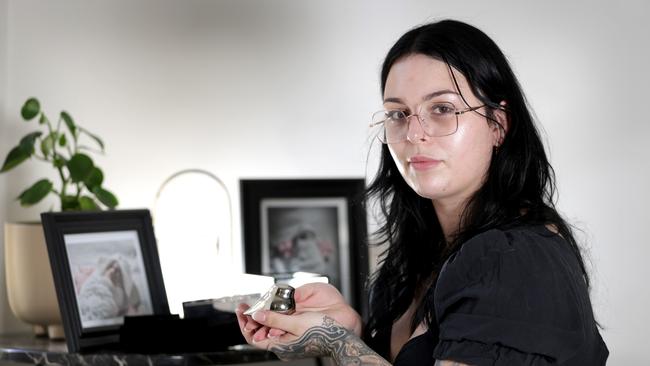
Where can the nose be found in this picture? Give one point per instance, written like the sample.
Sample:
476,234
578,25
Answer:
415,132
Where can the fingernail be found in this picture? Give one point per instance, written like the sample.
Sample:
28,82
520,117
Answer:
259,316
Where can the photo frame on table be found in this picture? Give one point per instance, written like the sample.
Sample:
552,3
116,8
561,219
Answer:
105,266
307,225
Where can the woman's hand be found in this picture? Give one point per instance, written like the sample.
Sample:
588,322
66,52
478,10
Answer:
325,298
292,326
309,334
314,297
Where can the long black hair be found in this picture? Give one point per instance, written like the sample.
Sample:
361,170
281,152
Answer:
519,187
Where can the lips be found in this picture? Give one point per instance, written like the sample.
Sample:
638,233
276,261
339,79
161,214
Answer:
420,162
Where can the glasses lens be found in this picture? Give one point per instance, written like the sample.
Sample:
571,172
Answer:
439,118
394,126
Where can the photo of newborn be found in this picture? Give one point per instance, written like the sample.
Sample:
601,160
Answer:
109,277
306,235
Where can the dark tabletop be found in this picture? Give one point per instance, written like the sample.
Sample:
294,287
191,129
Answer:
27,349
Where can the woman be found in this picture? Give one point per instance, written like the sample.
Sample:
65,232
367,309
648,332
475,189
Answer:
480,269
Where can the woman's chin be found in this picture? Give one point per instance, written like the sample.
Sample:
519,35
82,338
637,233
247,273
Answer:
430,191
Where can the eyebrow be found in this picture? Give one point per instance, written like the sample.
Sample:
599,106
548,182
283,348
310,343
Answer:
424,98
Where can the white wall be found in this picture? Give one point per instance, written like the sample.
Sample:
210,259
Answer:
284,89
3,92
8,323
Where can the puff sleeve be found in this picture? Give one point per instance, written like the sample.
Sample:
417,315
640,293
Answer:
513,298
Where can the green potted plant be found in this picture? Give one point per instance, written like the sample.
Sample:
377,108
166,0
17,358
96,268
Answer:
30,286
81,181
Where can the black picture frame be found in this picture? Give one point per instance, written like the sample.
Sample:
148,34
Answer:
273,209
98,254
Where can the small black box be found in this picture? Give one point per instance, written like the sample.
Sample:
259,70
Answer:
171,334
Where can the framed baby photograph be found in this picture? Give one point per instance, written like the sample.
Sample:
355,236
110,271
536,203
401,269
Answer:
316,226
105,266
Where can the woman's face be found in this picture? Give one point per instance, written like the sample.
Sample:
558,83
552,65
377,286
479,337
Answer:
447,168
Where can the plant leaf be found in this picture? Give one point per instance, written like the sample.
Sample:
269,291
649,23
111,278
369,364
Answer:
47,144
94,137
88,204
16,156
94,179
35,193
70,123
62,140
30,109
29,140
42,120
105,197
69,203
80,166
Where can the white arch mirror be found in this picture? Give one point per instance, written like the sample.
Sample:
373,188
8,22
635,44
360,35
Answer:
193,224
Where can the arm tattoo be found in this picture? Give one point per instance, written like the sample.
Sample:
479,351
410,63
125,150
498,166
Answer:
330,339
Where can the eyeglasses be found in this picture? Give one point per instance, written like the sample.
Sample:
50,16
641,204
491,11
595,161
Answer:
436,118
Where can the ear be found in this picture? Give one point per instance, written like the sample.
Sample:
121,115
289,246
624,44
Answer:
501,130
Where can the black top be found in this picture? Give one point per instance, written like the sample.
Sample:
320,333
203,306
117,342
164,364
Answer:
510,297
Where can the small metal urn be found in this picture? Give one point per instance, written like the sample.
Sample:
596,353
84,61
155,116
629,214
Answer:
278,298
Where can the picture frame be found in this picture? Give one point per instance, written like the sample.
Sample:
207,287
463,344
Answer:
105,266
308,225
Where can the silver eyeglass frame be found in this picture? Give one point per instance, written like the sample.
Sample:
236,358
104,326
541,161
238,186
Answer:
456,113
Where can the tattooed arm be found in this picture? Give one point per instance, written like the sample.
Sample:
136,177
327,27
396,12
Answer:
329,339
313,334
337,342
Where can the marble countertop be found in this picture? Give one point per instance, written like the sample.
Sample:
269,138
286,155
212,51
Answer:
27,349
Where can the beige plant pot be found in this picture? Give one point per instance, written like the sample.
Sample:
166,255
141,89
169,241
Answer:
30,286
